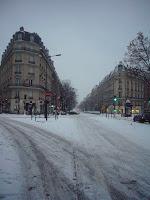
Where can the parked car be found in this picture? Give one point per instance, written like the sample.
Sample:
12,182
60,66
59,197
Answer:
136,118
145,117
63,113
73,112
127,115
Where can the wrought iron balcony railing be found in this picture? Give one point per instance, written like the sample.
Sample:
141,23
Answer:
22,85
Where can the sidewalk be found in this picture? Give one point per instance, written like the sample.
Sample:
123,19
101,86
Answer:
108,115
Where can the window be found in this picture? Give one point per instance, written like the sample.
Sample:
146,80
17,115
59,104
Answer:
30,94
31,38
31,59
119,94
19,46
138,87
120,87
31,70
19,36
135,86
120,81
17,81
30,82
18,69
17,94
18,58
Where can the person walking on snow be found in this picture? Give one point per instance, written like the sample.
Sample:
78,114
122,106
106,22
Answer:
56,114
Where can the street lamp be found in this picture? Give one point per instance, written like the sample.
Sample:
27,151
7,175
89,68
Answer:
114,102
46,90
55,55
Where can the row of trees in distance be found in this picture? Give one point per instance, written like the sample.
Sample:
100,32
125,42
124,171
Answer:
68,96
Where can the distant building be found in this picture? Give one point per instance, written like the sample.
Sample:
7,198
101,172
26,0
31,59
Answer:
126,86
147,92
27,73
121,91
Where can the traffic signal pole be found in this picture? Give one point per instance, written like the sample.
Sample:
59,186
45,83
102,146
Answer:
46,88
45,108
45,102
114,102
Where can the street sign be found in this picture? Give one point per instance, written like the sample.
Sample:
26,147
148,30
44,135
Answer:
49,93
128,104
47,98
128,101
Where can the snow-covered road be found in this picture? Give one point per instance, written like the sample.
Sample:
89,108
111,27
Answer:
75,157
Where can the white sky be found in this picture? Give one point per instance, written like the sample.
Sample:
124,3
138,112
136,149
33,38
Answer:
91,35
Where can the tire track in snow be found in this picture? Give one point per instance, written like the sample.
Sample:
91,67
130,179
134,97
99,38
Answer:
50,177
77,188
130,160
62,185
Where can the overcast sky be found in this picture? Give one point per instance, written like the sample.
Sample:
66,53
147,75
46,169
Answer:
91,35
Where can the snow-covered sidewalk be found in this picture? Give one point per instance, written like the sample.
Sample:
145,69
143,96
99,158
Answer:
11,179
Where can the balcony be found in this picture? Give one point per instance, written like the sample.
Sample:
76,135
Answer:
30,73
25,49
31,62
18,61
17,97
17,72
26,85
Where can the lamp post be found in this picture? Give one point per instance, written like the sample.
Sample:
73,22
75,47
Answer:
46,89
114,102
55,55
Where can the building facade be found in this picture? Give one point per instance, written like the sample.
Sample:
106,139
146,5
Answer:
125,87
121,91
27,74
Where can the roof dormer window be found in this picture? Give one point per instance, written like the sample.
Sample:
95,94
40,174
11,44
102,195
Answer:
19,36
31,38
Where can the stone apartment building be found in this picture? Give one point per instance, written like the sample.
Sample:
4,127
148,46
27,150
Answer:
125,86
27,73
121,91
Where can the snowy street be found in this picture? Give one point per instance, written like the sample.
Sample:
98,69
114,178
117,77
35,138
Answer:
75,157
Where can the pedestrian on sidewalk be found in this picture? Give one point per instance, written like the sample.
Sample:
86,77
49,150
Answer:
56,114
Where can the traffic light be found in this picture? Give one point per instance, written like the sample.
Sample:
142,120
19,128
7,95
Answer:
115,99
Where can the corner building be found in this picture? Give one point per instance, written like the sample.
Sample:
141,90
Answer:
26,74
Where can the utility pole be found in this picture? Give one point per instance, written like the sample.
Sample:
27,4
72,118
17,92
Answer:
45,101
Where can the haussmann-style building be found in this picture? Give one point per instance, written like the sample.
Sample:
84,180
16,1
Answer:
27,74
121,91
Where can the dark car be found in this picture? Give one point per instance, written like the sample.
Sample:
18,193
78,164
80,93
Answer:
136,118
73,112
145,117
127,115
63,113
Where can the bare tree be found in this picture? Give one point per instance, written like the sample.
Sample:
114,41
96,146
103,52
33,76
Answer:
137,57
91,101
68,95
138,54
